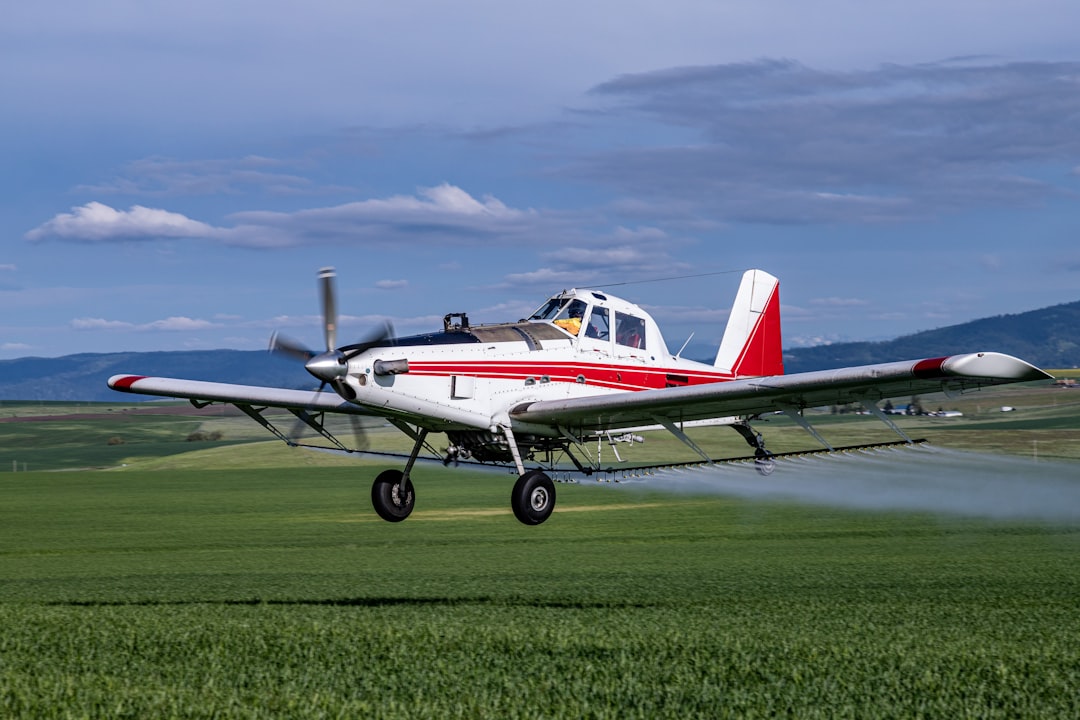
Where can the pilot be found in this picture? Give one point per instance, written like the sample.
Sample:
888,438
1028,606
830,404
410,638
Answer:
631,332
574,314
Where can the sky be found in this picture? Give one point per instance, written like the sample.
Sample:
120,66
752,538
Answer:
174,175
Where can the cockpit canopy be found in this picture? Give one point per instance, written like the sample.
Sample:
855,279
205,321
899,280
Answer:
600,317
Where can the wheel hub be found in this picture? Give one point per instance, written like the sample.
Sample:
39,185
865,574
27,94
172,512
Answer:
398,495
538,499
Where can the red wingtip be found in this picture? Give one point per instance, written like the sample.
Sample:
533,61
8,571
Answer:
124,382
930,369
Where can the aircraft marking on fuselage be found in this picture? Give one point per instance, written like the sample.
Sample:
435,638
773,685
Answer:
598,374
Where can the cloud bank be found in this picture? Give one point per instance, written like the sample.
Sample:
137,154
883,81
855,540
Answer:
776,141
440,213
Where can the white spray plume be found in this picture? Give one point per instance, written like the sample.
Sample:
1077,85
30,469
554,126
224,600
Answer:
922,478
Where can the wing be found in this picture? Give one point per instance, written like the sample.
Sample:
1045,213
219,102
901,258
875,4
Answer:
753,396
250,395
308,406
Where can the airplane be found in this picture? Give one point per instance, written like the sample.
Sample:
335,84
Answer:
586,366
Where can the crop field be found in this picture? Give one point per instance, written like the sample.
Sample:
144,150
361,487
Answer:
246,579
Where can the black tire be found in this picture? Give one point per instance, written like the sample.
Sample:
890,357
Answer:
533,497
392,501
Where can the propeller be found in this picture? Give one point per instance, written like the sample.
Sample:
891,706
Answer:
332,365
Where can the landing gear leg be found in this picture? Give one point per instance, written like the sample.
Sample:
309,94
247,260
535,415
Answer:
392,493
763,461
533,497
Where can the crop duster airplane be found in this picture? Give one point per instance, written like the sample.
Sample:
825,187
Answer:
586,366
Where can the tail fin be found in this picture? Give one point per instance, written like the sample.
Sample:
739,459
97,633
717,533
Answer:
751,345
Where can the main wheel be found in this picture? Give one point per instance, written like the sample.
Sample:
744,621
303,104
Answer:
392,499
533,497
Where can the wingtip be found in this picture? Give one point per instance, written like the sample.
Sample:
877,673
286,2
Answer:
124,382
993,365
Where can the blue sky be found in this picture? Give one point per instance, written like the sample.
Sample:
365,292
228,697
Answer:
173,175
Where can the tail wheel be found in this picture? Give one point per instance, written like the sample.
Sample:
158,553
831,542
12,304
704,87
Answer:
392,499
533,497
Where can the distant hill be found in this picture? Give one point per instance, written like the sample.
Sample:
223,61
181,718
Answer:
1048,338
82,377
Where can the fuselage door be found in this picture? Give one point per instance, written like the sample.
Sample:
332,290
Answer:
630,336
595,335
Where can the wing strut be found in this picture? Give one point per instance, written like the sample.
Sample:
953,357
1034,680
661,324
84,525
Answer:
797,416
316,423
677,432
257,416
872,407
580,446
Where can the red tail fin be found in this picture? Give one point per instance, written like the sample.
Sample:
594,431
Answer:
751,346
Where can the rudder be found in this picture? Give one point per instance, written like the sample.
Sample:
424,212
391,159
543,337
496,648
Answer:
751,346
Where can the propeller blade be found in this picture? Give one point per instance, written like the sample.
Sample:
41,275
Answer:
287,347
359,435
329,306
296,431
376,336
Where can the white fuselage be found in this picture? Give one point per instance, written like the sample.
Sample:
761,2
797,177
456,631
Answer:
470,378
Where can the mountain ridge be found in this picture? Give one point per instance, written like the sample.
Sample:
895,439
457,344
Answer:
1048,337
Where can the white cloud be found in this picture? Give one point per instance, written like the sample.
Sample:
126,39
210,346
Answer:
14,346
391,284
168,324
436,214
8,266
96,222
89,323
179,323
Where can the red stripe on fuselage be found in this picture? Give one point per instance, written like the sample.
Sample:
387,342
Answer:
621,377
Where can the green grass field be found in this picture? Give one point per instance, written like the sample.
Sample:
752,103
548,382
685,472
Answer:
252,580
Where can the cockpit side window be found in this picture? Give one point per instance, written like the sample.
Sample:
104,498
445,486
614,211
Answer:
599,326
629,331
549,309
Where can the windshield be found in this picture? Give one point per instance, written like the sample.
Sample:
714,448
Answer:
549,309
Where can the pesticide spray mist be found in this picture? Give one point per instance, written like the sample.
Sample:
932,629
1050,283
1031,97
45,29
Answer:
922,478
